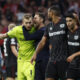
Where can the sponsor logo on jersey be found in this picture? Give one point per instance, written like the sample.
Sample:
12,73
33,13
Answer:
56,33
50,28
13,41
68,36
76,37
73,43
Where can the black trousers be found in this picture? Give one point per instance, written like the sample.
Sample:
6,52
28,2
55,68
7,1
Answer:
40,68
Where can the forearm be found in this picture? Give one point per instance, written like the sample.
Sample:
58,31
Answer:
39,47
76,54
14,51
2,36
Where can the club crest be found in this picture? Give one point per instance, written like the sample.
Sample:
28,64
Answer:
76,37
62,25
50,28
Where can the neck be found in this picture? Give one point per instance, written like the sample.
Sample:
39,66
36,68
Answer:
25,27
41,25
56,19
74,29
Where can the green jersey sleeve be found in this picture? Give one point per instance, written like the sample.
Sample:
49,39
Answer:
12,33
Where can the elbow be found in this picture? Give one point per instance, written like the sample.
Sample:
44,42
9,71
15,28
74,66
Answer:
42,44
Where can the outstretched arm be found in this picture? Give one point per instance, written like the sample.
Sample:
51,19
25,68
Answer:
34,36
70,58
13,45
41,44
39,48
3,36
14,50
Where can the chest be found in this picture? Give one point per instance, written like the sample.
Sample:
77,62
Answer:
20,36
74,39
57,31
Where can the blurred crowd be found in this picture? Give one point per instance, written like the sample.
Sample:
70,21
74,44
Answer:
13,10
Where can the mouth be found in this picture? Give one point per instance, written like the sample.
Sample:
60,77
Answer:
29,28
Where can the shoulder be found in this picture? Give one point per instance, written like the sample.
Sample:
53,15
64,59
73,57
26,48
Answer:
18,27
43,28
78,29
32,29
62,21
49,25
12,39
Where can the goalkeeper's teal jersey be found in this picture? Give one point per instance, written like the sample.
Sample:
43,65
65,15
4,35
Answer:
26,48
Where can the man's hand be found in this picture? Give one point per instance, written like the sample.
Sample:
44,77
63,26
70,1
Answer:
2,36
33,58
70,58
39,48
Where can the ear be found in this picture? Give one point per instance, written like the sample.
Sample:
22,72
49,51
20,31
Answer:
23,21
75,20
41,20
52,13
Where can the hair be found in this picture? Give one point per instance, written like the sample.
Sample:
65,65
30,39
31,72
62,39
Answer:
72,11
27,16
71,15
41,15
56,10
11,26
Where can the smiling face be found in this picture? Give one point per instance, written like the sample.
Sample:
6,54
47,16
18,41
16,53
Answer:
37,20
70,23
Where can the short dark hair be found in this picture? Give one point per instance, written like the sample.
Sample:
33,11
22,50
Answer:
72,11
56,10
70,15
41,15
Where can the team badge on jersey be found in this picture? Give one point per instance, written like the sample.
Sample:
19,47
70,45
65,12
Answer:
62,25
68,36
76,37
50,28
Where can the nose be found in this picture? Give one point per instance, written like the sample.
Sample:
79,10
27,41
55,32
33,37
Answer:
34,19
68,22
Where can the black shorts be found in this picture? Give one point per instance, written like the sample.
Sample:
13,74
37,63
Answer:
56,70
40,68
11,71
73,73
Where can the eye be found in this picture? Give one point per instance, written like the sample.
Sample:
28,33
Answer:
30,22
